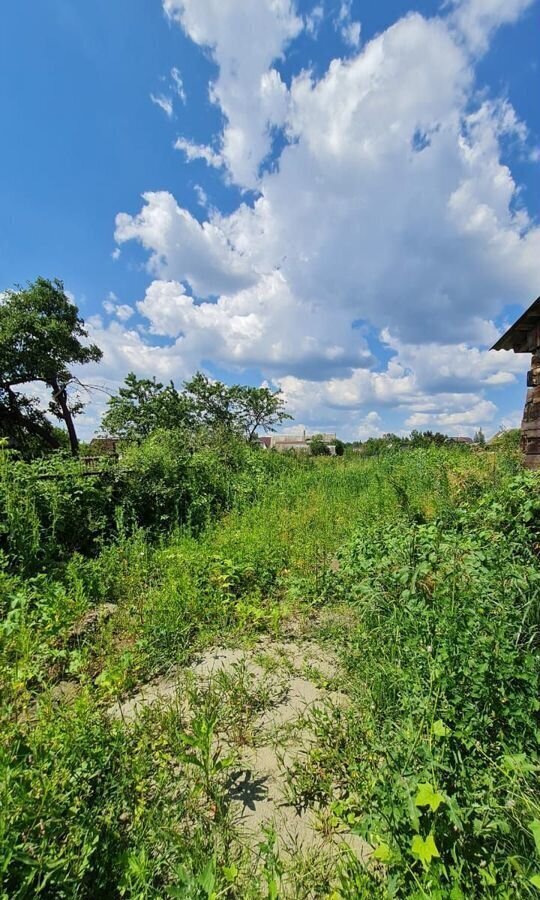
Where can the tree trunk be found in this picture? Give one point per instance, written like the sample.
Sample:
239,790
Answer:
60,395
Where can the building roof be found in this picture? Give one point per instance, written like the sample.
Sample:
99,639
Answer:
524,335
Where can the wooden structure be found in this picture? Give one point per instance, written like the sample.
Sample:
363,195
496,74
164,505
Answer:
524,337
106,446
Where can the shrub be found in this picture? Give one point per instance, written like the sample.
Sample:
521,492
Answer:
445,656
51,508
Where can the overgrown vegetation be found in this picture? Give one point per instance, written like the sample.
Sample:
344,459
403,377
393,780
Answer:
441,751
420,566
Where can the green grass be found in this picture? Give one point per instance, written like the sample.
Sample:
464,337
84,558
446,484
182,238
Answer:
419,567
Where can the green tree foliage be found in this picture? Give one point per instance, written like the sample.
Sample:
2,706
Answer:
239,408
479,438
508,439
427,439
41,338
389,442
258,408
143,405
213,402
318,447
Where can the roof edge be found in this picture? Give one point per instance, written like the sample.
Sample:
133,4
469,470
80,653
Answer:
513,337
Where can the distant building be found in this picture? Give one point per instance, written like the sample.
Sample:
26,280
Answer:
106,446
299,442
462,440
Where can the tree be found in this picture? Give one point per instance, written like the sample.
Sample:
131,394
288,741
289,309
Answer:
427,439
507,439
24,425
213,402
143,405
318,447
41,338
480,438
258,408
236,407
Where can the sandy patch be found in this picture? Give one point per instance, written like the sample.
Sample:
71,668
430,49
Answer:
259,785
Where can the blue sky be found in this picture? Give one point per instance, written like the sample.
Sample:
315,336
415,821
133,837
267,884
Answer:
350,214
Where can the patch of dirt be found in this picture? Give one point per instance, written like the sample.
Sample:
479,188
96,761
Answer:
259,785
90,622
65,691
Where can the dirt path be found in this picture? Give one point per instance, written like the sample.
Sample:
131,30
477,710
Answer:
267,696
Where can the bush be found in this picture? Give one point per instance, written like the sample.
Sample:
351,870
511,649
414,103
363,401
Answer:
446,659
51,508
508,440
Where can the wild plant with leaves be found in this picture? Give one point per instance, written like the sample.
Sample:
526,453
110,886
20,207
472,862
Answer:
418,569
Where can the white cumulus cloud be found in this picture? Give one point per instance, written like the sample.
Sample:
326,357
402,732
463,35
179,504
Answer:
390,211
244,37
478,19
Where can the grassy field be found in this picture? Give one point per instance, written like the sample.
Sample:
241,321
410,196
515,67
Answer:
417,571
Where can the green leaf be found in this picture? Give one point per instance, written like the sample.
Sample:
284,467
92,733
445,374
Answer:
225,762
535,881
535,831
207,878
424,850
230,873
190,759
488,876
439,729
382,852
428,796
518,762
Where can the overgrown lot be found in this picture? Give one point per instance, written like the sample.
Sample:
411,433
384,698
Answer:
419,569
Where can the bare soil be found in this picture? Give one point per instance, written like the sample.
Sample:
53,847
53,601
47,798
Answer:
294,678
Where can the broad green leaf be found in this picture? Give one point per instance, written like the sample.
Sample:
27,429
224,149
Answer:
413,812
225,762
382,852
207,878
424,849
191,759
439,729
535,830
488,876
518,762
535,880
428,796
230,873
